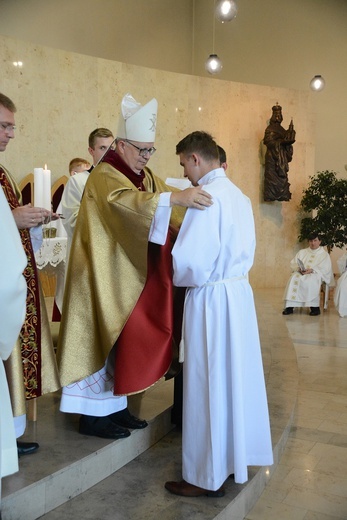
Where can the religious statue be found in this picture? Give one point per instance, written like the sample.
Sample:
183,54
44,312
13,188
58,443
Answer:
279,152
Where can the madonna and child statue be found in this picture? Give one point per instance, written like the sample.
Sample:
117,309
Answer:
279,153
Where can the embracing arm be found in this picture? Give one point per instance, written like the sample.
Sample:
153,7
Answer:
189,198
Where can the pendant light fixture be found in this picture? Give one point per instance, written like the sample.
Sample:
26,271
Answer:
225,10
213,64
317,83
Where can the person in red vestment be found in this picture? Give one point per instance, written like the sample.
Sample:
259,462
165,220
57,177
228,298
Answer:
34,347
117,324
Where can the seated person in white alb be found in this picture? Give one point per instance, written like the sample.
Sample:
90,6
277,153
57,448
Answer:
340,296
311,267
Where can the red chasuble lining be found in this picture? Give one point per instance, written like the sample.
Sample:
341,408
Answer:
144,348
30,334
143,352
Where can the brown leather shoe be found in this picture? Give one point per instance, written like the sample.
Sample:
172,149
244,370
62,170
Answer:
188,490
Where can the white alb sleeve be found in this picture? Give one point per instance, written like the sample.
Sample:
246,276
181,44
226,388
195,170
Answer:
161,220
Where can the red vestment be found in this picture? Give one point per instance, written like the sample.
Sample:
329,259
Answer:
143,351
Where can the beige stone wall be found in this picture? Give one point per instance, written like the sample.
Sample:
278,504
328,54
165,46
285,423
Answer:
62,96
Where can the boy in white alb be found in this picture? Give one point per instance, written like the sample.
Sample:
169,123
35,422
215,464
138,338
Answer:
225,418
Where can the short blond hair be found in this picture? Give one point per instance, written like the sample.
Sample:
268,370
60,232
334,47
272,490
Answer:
77,161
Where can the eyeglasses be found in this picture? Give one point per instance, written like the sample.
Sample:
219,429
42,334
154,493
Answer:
142,151
7,127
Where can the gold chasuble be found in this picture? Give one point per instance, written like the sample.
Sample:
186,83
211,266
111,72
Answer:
31,369
119,286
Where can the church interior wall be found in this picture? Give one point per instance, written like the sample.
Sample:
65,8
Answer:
270,43
57,109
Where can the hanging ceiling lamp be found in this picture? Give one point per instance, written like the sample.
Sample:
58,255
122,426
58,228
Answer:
225,10
213,64
317,83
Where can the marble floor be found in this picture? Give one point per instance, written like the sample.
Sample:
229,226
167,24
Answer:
310,481
305,361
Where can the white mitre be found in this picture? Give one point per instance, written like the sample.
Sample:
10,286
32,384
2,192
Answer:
137,122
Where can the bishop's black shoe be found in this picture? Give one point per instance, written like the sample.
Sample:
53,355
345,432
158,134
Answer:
315,311
126,420
101,427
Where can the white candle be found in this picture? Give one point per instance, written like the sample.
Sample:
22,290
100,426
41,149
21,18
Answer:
38,187
47,189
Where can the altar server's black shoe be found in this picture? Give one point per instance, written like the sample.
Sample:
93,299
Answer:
126,420
26,448
101,427
288,310
315,311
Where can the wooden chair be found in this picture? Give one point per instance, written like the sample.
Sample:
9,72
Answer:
26,186
326,288
57,191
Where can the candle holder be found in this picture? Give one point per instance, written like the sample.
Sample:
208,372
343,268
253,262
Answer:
49,232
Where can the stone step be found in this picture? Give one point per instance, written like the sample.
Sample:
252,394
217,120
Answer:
75,476
68,463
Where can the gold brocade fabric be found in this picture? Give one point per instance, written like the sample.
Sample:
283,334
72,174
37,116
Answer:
31,369
107,268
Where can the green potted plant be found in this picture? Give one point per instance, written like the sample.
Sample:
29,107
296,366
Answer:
325,199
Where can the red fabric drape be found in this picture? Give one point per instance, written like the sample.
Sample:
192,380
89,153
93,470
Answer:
143,351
